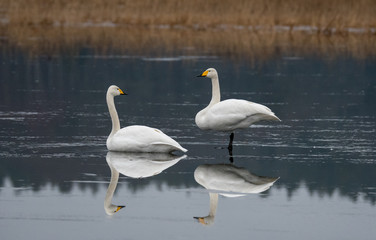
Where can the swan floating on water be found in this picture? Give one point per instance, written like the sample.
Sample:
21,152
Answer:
230,114
134,165
229,181
136,138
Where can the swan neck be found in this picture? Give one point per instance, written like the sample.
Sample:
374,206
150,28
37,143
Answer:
113,113
213,203
216,95
111,187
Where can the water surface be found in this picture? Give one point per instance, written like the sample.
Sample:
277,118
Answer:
54,123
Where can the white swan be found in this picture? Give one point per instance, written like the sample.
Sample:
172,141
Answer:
134,165
229,181
136,138
230,114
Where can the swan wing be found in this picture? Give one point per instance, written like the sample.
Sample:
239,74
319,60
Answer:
142,139
234,113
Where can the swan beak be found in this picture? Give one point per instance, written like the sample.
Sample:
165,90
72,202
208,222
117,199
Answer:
118,208
203,74
200,220
121,92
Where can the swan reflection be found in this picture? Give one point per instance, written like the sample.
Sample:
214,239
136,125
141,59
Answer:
134,165
229,181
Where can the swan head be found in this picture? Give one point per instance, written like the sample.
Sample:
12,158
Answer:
112,209
115,91
210,73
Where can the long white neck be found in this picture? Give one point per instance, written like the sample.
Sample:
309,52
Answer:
213,204
113,114
111,187
216,94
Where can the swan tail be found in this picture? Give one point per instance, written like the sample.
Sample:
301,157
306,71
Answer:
171,147
274,118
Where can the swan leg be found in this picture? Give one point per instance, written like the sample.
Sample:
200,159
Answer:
231,139
230,144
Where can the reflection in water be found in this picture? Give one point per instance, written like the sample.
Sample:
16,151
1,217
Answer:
134,165
229,181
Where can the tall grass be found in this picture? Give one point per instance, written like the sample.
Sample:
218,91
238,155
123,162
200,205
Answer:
237,28
324,14
236,44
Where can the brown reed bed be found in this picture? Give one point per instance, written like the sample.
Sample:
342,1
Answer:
237,44
321,14
252,29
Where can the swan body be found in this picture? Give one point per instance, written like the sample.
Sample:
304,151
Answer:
136,138
231,114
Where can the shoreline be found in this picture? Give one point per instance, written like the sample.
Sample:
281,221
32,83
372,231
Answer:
220,27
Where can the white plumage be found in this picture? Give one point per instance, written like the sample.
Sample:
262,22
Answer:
136,138
231,114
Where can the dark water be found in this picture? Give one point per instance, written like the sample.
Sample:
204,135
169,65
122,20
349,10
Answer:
54,124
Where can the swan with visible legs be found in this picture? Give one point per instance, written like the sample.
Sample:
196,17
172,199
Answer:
136,138
230,114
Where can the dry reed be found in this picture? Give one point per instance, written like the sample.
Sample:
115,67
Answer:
323,14
236,28
168,42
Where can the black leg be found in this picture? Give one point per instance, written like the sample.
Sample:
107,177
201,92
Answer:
230,144
231,159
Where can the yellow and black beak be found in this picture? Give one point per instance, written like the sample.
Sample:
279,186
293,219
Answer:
119,207
204,74
200,220
121,92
